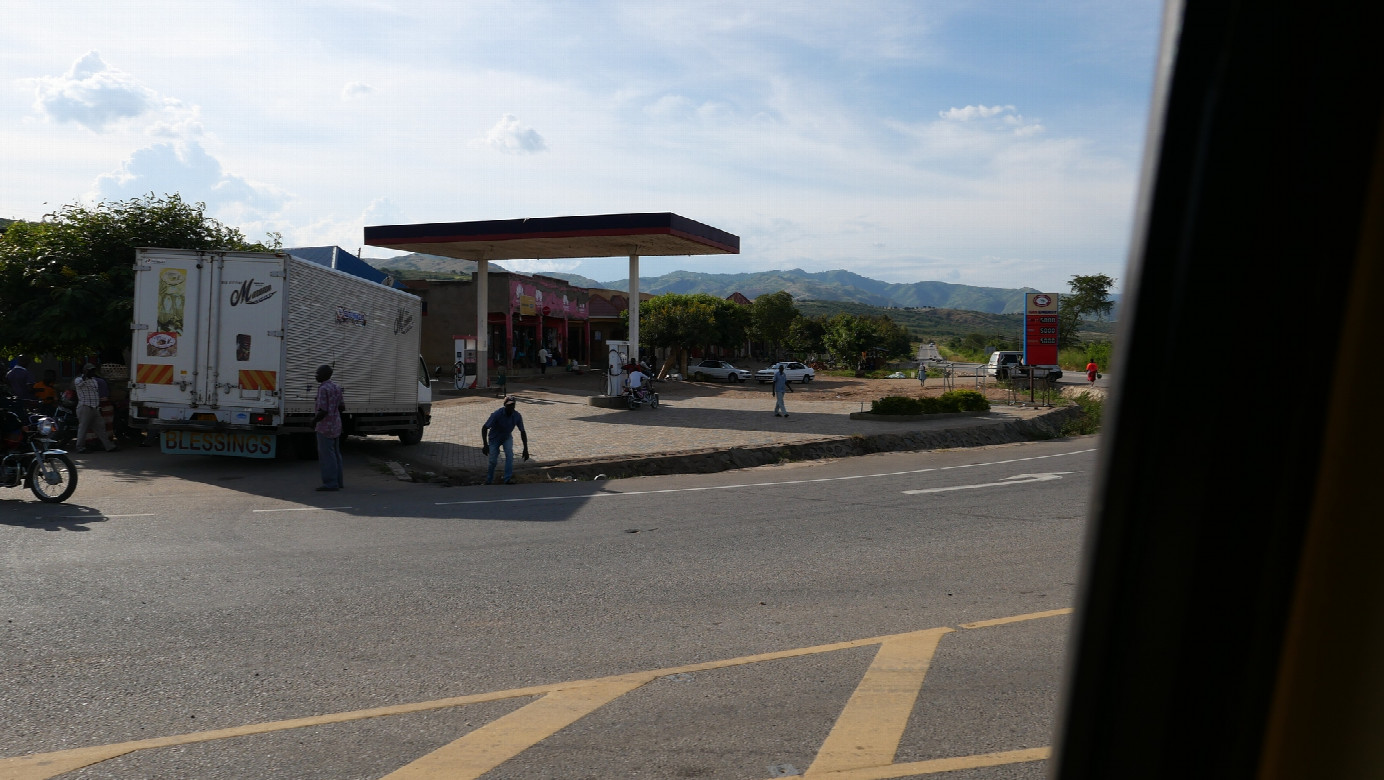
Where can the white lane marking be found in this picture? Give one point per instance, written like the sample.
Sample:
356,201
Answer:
584,496
1017,479
304,509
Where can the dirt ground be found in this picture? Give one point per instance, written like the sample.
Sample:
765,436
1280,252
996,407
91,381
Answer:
824,388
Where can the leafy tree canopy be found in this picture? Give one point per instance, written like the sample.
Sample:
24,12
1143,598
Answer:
772,316
67,282
849,336
1089,296
805,335
682,321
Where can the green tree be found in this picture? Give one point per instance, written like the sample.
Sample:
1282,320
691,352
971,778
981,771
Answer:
771,317
891,339
679,322
67,282
1089,296
847,337
805,336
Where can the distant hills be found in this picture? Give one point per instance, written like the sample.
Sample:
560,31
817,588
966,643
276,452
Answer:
840,286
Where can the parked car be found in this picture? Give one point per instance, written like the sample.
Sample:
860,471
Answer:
717,369
797,372
1007,364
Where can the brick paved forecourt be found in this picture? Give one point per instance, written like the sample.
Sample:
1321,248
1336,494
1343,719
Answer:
569,438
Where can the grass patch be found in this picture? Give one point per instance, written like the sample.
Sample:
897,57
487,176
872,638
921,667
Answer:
1089,421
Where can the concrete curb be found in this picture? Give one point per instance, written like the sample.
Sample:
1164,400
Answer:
1045,426
914,417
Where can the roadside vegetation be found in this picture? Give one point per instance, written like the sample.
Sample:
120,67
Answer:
67,281
950,401
1089,422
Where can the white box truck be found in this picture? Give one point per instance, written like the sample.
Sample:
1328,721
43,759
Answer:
226,346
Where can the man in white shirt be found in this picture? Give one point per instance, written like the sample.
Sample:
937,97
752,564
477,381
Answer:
636,381
543,360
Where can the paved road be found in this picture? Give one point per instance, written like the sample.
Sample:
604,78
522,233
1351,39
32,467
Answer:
805,618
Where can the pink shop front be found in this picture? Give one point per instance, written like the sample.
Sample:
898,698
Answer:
525,314
541,312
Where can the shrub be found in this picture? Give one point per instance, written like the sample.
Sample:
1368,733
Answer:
897,404
966,400
1089,422
950,401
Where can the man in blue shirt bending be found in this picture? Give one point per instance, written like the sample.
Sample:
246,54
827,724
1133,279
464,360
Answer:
498,432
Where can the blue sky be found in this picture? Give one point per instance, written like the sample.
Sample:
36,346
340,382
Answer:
987,143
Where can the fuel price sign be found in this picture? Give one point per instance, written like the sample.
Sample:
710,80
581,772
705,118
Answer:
1040,329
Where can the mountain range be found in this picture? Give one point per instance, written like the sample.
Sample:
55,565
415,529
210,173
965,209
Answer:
838,285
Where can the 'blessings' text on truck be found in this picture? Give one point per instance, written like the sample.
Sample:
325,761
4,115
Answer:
226,346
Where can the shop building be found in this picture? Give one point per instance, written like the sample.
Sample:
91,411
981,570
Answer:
526,313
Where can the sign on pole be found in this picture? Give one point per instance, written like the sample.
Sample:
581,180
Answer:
1040,329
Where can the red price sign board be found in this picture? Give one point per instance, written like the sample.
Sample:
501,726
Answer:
1040,329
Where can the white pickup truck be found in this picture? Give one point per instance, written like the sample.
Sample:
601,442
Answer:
1008,364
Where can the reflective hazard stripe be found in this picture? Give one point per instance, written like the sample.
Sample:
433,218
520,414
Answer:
258,380
154,374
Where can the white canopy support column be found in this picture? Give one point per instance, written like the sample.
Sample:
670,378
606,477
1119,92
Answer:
634,307
482,280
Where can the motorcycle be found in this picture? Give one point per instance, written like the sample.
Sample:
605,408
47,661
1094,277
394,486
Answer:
642,396
28,458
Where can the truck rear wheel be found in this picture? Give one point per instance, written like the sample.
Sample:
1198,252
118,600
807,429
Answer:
410,438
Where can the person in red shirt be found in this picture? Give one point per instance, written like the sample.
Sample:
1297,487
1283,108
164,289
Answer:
1091,370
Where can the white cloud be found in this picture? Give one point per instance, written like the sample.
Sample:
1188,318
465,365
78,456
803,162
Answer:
356,89
972,112
186,168
92,94
511,137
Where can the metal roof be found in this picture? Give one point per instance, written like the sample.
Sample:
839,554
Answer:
601,235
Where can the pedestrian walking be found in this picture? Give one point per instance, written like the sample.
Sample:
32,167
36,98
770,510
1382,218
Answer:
327,424
1092,371
780,385
498,433
543,360
89,418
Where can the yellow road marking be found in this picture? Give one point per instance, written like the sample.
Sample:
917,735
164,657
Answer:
868,731
937,765
1018,618
497,742
888,680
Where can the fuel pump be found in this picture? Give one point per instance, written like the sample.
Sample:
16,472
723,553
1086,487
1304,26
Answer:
465,369
615,370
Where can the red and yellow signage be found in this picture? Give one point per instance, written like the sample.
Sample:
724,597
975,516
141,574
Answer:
153,374
258,380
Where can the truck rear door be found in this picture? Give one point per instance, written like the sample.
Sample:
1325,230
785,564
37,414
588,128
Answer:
246,344
170,299
208,330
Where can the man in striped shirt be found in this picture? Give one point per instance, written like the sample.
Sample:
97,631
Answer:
89,417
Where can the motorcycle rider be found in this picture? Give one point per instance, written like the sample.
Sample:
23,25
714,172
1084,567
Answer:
636,381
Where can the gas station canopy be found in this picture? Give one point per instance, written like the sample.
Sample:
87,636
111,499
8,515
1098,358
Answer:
601,235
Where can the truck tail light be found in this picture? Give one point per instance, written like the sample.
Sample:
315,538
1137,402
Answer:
146,411
261,418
